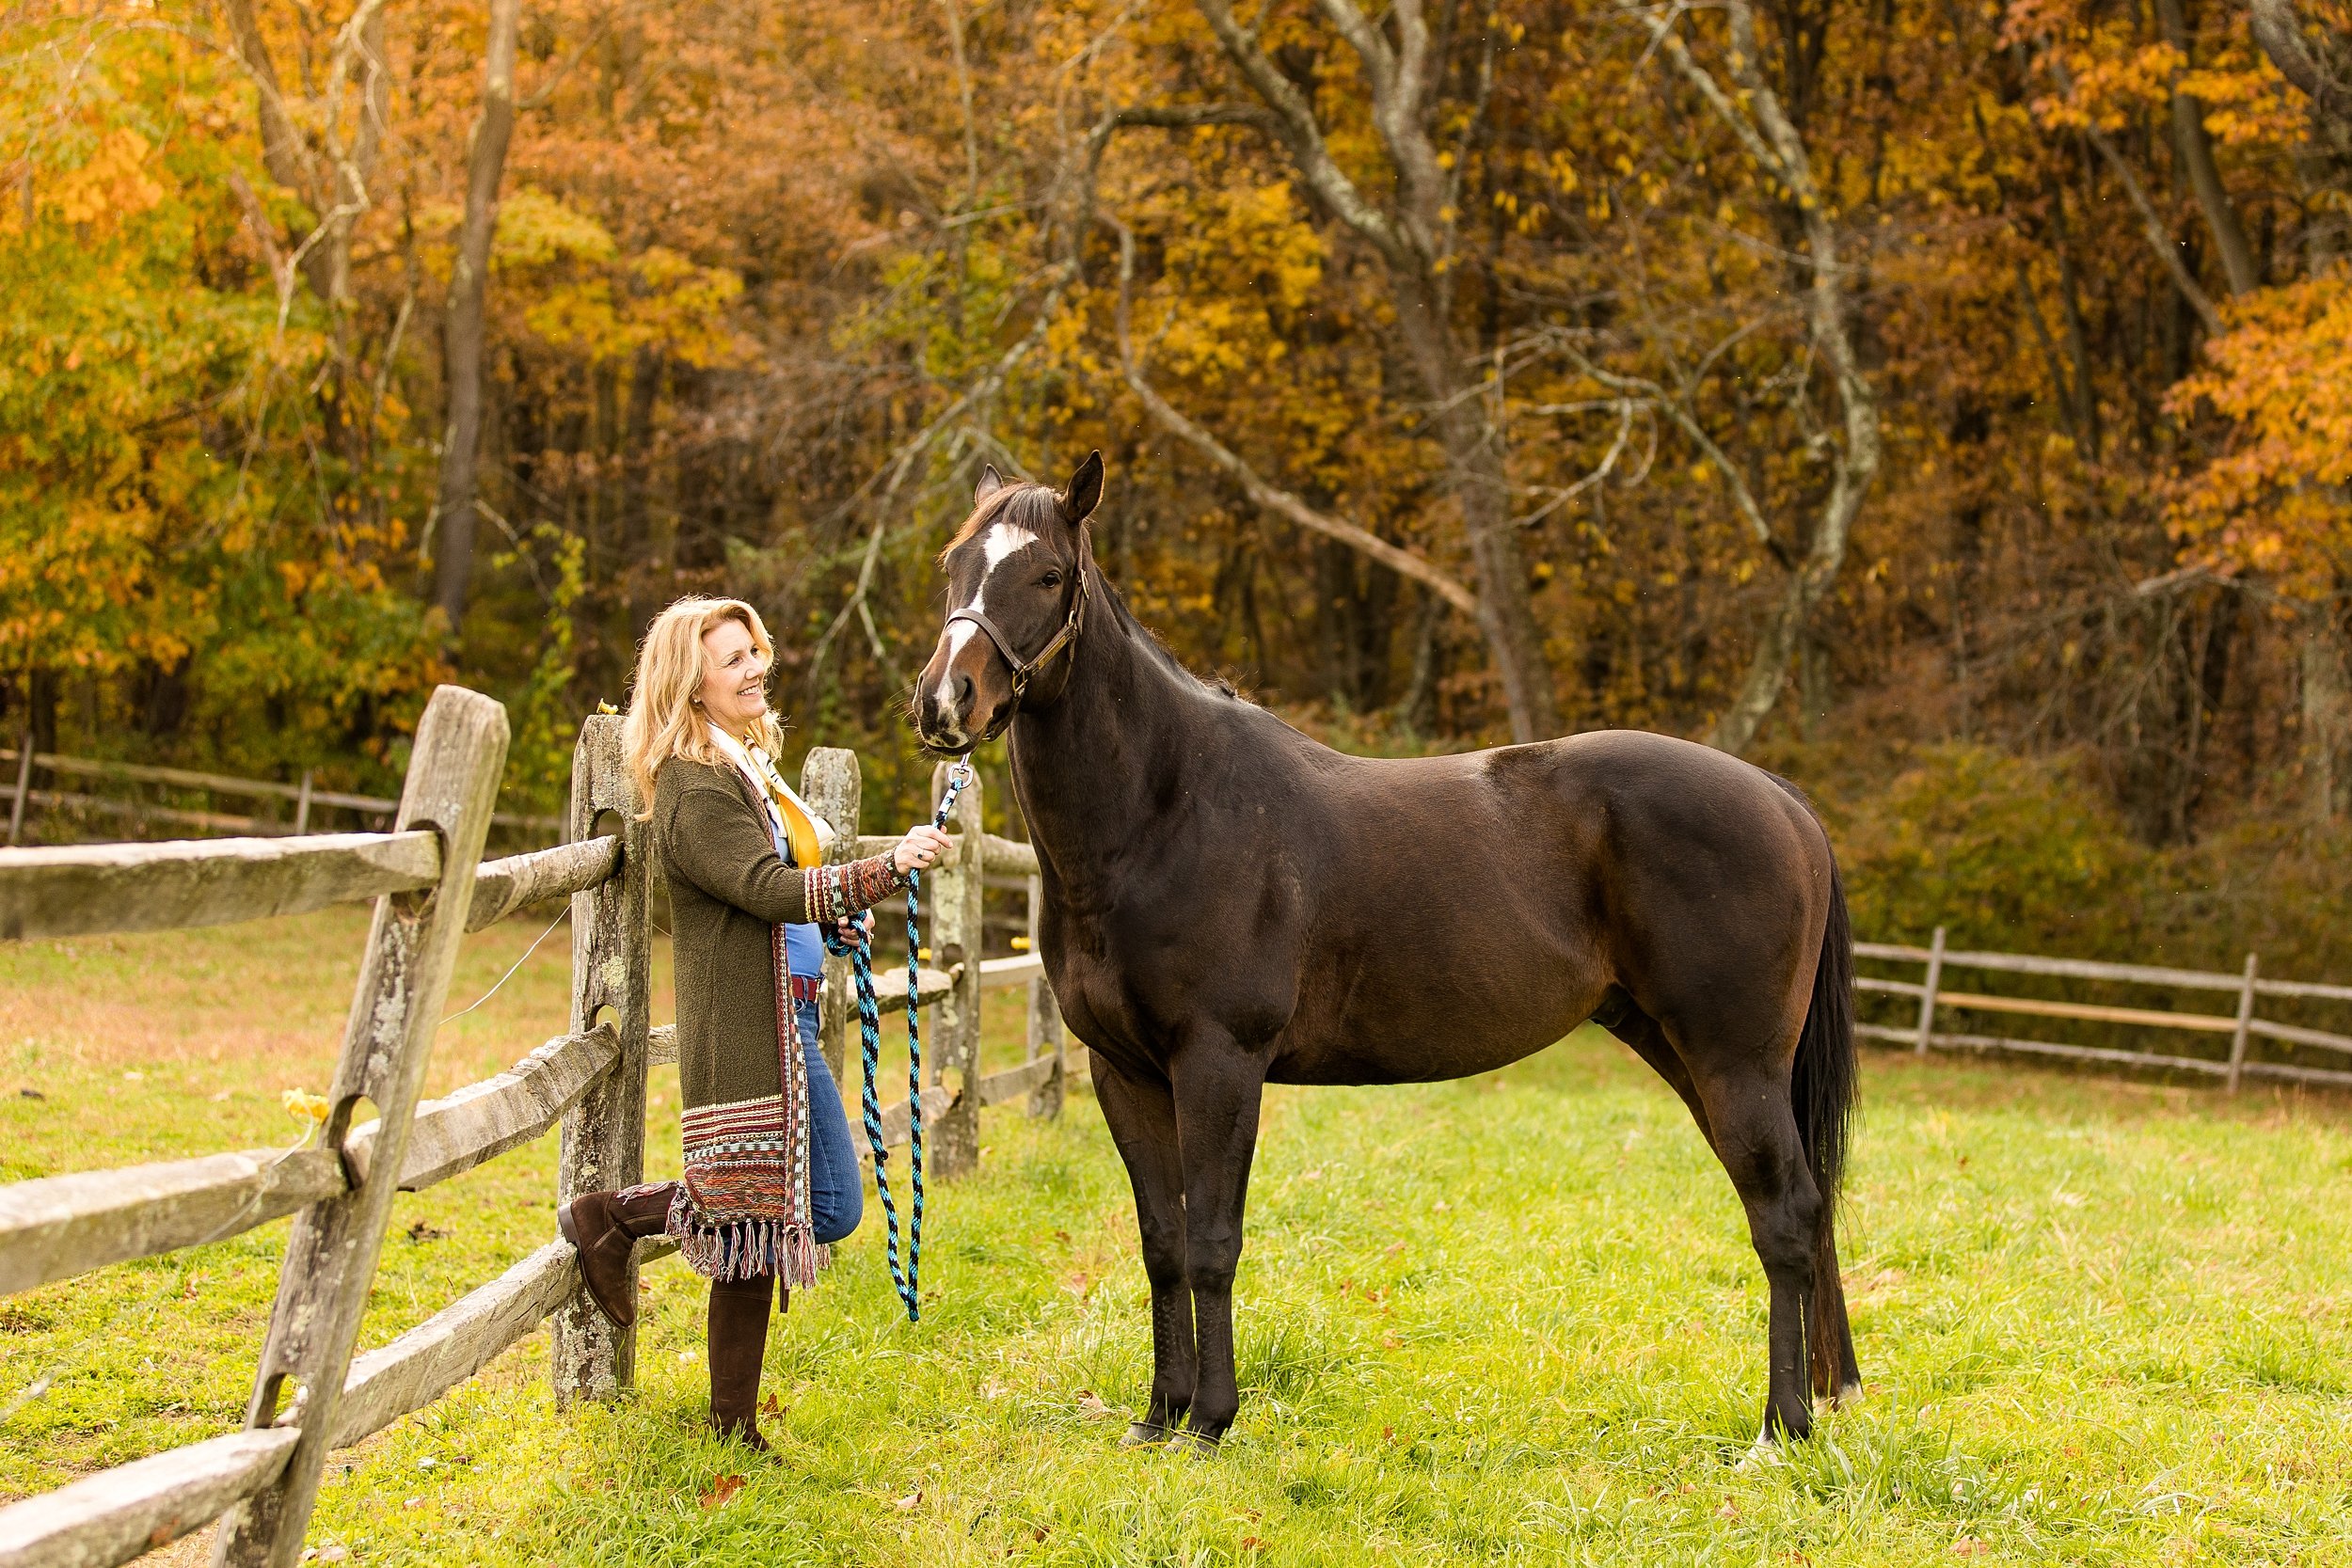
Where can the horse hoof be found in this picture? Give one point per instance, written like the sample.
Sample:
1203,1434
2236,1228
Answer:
1194,1444
1143,1434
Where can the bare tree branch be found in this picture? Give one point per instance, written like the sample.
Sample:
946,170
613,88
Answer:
2279,32
1271,496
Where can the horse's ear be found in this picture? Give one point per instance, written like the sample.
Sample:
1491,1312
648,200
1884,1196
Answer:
991,481
1086,490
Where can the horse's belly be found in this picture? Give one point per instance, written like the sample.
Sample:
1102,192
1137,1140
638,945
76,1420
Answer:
1455,1038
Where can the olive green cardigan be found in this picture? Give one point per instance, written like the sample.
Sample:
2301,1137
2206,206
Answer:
742,1208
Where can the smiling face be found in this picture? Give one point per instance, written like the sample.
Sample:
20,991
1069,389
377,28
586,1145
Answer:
1014,561
734,693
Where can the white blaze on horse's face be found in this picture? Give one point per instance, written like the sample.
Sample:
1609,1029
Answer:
1000,544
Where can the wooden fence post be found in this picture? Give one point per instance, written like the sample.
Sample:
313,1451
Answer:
955,900
302,805
1927,996
24,785
831,784
330,1256
2245,1022
1045,1031
604,1136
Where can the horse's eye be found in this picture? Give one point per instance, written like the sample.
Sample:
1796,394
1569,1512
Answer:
1050,579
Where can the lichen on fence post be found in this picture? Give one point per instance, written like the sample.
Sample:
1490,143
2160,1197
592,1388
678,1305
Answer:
332,1252
954,893
831,784
604,1136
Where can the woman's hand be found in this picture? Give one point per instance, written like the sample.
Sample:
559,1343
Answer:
857,932
920,850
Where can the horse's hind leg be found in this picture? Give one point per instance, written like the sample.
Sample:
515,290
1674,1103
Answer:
1755,1138
1142,1119
1642,1036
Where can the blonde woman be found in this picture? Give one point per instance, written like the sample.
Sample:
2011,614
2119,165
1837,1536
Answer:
771,1176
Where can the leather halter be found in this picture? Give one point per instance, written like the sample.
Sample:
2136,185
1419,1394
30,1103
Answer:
1027,670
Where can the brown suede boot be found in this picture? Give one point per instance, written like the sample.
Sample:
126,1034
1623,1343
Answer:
738,1339
604,1226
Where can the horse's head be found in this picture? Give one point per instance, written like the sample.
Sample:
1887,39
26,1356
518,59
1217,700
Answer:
1016,598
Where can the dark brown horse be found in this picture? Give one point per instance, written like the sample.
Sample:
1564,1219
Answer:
1229,904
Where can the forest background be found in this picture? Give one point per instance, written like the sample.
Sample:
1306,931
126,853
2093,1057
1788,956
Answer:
1949,404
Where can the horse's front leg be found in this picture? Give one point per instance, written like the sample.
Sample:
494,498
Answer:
1219,1088
1142,1119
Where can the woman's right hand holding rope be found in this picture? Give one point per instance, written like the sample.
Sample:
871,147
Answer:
920,850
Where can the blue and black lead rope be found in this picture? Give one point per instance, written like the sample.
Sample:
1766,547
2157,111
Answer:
870,1030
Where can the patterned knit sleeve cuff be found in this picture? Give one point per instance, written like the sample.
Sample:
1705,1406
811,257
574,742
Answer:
838,892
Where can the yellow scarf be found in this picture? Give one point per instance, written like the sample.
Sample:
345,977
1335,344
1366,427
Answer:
800,824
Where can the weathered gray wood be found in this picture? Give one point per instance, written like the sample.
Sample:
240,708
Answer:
63,1225
954,900
454,1343
604,1134
156,887
1927,992
831,784
481,1121
2244,1016
24,786
330,1257
2293,1033
1014,1083
1890,988
2079,969
131,1509
1045,1029
1018,970
2303,988
2294,1074
502,887
937,1101
932,986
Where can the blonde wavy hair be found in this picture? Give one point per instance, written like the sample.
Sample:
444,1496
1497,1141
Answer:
663,721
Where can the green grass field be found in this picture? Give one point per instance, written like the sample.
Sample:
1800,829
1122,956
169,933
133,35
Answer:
1511,1320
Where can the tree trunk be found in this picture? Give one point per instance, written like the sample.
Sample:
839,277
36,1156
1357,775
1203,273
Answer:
1475,473
453,564
2327,738
2204,177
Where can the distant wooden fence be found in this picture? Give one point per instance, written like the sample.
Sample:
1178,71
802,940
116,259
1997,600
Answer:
17,768
1934,993
311,1395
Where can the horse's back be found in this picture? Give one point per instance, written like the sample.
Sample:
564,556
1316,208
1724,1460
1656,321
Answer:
1473,908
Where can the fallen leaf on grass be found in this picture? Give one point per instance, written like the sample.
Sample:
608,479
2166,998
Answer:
423,1232
1968,1545
1396,1247
720,1490
771,1406
909,1503
1252,1544
1729,1511
1090,1403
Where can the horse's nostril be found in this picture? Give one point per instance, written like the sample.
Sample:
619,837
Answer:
963,691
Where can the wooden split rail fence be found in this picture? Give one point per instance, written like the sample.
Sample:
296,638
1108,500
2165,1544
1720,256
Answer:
303,798
311,1394
1933,992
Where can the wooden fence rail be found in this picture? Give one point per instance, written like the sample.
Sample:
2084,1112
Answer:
17,768
311,1394
2240,1023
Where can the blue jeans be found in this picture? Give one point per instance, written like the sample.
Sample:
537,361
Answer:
837,1193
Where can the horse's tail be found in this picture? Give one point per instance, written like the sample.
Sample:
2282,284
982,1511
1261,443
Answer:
1822,1091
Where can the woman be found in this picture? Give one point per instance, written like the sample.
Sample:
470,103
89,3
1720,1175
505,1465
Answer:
771,1178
